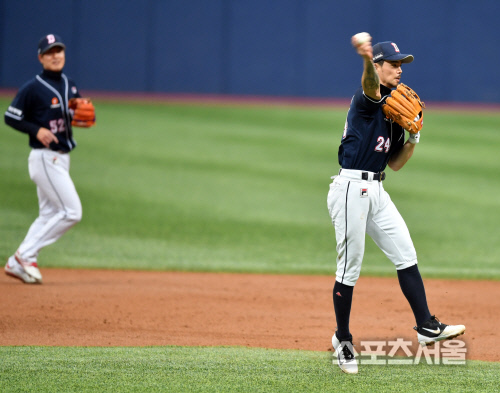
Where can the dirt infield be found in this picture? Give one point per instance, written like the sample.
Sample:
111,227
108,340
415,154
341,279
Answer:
124,308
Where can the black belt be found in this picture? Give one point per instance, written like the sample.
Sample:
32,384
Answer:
379,176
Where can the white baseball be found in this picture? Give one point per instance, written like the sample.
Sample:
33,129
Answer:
361,38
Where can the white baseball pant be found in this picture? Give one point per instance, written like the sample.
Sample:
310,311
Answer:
359,207
59,204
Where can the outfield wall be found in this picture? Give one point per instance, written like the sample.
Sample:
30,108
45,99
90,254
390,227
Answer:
259,47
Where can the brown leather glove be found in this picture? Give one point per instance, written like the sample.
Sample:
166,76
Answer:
404,107
83,112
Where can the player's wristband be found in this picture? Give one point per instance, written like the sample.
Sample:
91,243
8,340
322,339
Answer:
414,138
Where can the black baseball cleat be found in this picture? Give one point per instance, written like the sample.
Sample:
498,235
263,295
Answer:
432,331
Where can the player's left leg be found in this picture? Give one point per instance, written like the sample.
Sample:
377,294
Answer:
390,233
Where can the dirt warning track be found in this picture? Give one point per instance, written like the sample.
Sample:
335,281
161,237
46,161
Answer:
129,308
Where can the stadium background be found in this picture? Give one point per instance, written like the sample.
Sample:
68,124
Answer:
260,47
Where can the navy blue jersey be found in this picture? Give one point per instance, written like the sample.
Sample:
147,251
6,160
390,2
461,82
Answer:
43,102
369,138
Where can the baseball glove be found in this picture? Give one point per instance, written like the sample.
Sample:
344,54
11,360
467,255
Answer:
83,112
404,107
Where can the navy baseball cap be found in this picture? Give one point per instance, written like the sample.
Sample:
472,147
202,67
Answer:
49,41
388,50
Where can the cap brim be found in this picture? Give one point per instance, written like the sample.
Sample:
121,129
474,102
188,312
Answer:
400,57
60,44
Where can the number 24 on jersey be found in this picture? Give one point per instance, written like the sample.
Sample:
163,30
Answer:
383,145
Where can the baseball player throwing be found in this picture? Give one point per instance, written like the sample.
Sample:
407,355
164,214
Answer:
45,108
359,205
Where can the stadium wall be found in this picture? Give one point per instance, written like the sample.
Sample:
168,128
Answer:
286,48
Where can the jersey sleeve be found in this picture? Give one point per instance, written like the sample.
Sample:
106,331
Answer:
369,105
15,116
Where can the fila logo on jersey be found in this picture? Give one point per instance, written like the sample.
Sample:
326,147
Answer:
55,103
364,192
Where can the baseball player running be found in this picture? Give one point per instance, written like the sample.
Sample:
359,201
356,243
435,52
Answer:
45,108
358,203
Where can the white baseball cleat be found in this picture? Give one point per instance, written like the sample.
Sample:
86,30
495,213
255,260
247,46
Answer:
344,352
25,271
432,331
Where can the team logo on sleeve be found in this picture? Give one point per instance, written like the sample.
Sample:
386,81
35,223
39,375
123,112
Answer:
74,90
55,103
15,111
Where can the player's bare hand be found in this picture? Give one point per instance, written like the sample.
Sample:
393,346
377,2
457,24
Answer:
46,137
363,44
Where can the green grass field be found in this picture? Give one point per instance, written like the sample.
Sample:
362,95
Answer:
173,187
243,189
223,369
